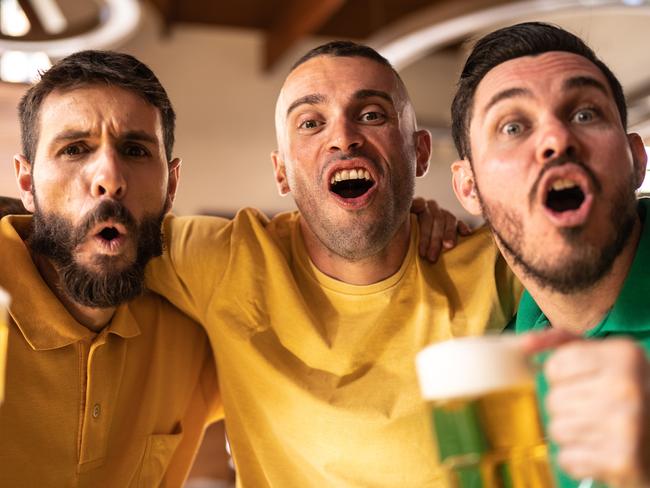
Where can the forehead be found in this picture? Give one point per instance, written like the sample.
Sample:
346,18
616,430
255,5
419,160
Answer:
90,107
339,78
541,74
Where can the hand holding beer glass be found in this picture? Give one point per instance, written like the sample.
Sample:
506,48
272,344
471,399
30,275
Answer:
481,394
4,332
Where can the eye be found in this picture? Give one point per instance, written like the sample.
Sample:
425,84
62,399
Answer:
372,117
585,115
73,150
135,151
512,128
310,124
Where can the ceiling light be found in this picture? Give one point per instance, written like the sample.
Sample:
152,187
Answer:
21,67
13,21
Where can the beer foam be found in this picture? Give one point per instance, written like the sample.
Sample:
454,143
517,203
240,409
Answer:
471,366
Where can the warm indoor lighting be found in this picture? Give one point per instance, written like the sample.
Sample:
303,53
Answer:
21,67
13,21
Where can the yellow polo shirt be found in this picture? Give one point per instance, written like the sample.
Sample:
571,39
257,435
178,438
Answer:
124,407
317,376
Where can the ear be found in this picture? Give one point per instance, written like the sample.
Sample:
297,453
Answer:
639,157
465,186
280,171
23,169
172,182
422,152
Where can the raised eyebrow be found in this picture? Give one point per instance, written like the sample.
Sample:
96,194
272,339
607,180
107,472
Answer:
363,94
584,81
506,94
313,99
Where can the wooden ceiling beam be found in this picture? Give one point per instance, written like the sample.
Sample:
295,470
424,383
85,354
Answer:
299,19
36,27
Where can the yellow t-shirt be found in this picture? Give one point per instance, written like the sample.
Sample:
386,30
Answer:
317,376
125,407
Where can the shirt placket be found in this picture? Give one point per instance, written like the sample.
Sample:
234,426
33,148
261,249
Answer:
104,369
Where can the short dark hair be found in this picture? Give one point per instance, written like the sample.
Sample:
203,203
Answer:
345,49
89,68
526,39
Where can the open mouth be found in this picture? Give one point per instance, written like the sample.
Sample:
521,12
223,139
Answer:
109,233
110,236
564,195
351,183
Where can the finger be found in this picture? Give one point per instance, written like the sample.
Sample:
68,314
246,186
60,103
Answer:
464,229
418,205
426,221
535,342
573,361
579,462
449,234
437,230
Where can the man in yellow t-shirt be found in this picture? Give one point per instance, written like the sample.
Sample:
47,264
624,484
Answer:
315,316
106,386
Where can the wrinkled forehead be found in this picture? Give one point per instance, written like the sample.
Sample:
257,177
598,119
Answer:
336,79
548,73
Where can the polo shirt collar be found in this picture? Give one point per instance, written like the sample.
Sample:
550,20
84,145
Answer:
41,317
624,317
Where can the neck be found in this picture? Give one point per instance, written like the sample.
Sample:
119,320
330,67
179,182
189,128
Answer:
92,318
581,311
365,271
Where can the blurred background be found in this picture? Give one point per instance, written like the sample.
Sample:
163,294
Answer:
223,63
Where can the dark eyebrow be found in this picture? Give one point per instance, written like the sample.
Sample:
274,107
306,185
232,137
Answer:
133,135
363,94
139,135
505,94
584,81
69,135
312,99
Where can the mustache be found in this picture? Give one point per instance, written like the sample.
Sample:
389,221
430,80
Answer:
106,210
559,161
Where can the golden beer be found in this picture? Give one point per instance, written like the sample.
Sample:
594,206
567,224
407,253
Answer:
4,332
484,412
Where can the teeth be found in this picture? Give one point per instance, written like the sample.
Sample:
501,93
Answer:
563,184
352,174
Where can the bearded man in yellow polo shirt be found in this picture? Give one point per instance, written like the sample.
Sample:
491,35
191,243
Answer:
106,386
315,316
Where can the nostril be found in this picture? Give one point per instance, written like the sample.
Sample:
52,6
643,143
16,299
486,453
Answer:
548,153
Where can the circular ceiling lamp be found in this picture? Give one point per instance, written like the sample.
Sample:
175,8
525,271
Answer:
415,43
33,31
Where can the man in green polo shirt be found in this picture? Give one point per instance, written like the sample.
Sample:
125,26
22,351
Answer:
537,110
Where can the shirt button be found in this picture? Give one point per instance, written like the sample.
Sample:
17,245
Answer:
96,410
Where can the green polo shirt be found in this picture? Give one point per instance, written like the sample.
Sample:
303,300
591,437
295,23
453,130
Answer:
630,317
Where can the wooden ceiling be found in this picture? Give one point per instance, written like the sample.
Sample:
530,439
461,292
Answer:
287,21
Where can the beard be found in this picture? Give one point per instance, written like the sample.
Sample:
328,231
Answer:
56,238
587,263
363,233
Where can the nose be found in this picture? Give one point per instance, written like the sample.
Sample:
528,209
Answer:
108,179
556,140
345,135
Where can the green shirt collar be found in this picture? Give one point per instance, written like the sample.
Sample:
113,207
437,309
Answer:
624,317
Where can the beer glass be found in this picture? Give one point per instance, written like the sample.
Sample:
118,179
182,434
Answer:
4,332
480,392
